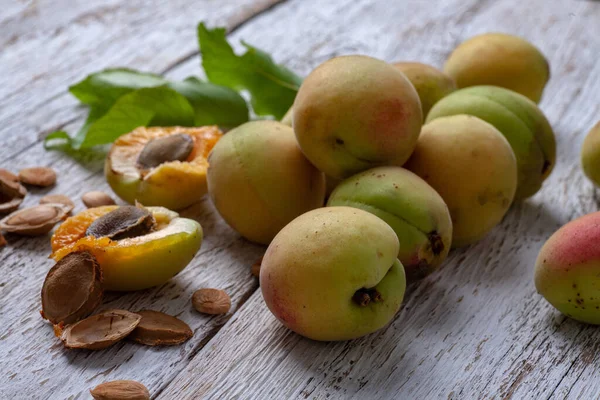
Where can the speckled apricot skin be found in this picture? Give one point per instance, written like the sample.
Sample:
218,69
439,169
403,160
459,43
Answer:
414,210
317,262
590,155
567,270
521,122
259,180
353,113
472,166
501,60
431,83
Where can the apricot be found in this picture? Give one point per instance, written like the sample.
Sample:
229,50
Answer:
431,83
287,118
332,274
161,166
590,155
133,252
520,121
259,180
353,113
567,270
501,60
415,211
472,166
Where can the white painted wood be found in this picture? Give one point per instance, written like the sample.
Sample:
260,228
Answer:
33,362
475,329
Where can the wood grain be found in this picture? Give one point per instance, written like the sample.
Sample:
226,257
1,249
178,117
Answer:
34,363
475,329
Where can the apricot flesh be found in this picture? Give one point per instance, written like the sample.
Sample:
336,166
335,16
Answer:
174,181
431,83
259,180
353,113
567,269
501,60
416,212
332,274
472,166
133,263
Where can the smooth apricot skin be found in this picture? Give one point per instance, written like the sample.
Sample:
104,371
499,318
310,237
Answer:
416,212
567,270
287,118
590,155
431,83
353,113
521,122
501,60
140,262
472,166
259,180
315,265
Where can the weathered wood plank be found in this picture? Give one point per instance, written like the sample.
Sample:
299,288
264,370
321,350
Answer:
49,45
475,329
33,362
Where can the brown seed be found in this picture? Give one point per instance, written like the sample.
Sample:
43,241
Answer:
38,176
11,192
101,330
211,301
34,221
58,199
72,289
256,267
160,329
120,390
122,223
175,147
97,199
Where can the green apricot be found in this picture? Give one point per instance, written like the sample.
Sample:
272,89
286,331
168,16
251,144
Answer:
518,119
415,211
590,155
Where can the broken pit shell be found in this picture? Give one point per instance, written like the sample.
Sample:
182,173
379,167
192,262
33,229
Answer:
121,223
59,199
36,220
159,329
101,330
11,192
72,289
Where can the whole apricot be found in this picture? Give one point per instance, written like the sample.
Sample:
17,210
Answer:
259,180
431,83
501,60
332,274
567,270
414,210
353,113
590,155
521,122
472,166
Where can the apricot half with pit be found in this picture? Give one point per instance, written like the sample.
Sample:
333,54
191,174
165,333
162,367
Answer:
136,247
161,166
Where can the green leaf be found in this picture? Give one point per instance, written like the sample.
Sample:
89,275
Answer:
272,87
158,106
104,88
59,139
213,104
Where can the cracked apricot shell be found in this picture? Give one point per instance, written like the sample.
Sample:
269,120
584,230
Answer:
172,184
132,263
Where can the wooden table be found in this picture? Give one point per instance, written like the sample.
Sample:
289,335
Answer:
475,329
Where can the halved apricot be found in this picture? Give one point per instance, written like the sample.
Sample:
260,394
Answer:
132,263
161,166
